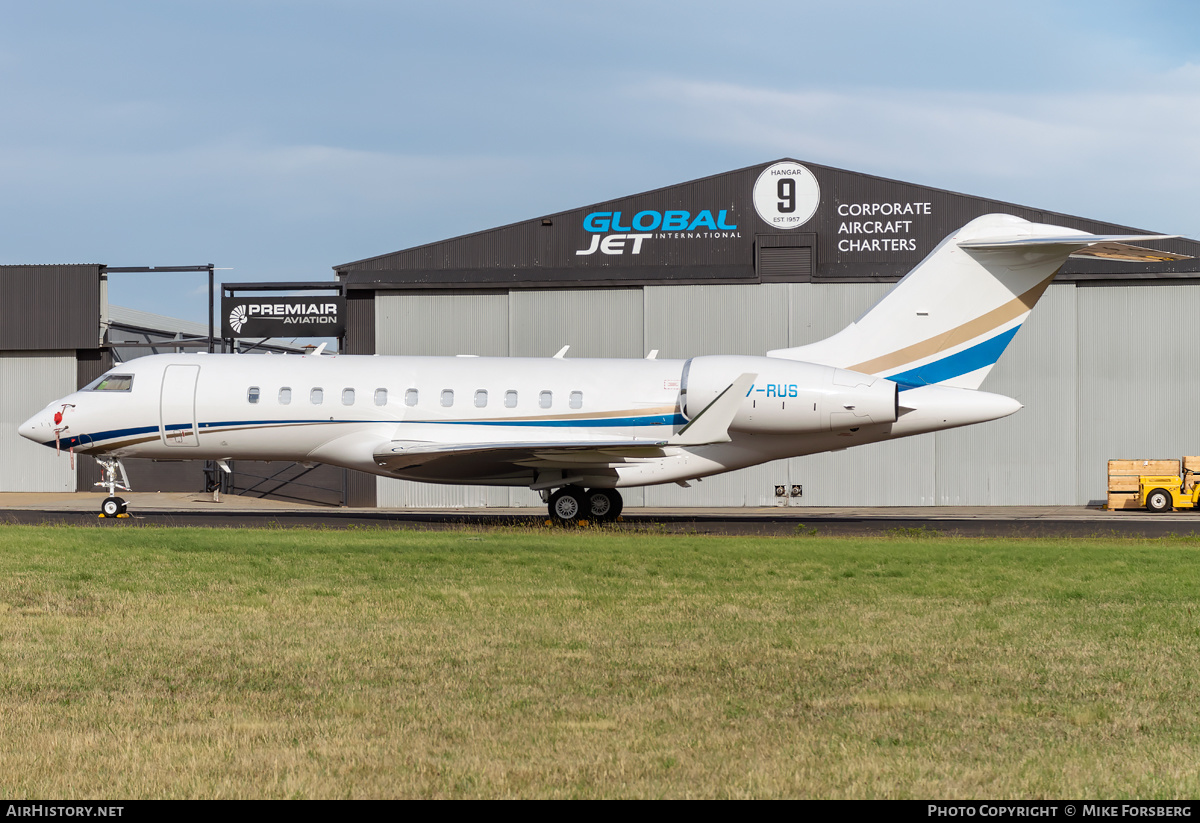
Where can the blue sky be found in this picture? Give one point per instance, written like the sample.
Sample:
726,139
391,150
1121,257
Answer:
282,138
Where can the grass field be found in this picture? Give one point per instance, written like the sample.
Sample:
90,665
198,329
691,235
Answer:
145,662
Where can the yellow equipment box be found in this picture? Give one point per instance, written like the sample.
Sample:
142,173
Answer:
1161,493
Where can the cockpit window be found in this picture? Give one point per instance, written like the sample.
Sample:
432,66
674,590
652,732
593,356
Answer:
112,382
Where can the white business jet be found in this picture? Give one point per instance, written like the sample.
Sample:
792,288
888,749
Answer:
577,430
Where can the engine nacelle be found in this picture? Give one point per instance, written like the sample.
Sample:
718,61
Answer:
789,397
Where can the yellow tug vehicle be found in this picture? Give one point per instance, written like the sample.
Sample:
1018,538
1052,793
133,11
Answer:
1161,493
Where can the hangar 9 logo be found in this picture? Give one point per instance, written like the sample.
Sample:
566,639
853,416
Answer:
786,195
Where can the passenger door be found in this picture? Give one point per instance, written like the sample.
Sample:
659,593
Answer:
177,406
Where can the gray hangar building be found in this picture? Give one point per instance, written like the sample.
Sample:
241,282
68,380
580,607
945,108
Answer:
782,254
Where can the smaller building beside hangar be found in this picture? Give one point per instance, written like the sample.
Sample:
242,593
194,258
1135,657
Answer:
59,333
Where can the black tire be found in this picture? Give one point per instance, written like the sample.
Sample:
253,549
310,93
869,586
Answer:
112,506
1159,500
604,505
568,506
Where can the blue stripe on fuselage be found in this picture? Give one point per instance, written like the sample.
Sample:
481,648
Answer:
632,422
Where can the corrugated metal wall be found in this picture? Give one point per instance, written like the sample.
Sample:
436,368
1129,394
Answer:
36,376
435,323
46,308
1102,372
687,321
432,323
1028,458
1139,389
600,323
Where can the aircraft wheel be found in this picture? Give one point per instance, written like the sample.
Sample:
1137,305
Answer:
604,504
112,506
1158,500
568,506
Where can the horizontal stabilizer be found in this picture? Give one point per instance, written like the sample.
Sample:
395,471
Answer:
712,424
1106,246
1124,251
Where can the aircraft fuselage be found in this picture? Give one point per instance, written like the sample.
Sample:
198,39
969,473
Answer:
343,410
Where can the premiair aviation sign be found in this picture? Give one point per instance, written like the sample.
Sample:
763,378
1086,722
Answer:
283,317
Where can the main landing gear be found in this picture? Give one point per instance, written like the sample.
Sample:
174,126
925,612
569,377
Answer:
113,506
573,506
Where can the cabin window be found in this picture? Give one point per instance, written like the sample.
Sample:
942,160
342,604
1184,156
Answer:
113,382
252,394
480,398
285,395
546,399
577,400
410,397
316,396
510,399
381,397
447,397
347,397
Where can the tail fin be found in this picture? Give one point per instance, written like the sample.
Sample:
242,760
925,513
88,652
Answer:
950,318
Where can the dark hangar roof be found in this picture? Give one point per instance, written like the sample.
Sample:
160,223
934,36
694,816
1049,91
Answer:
780,221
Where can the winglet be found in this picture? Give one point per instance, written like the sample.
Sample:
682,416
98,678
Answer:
712,424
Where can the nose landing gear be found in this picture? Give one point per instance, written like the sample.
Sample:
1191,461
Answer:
113,506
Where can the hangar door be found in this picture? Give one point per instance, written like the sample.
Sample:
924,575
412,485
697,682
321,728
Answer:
784,258
32,379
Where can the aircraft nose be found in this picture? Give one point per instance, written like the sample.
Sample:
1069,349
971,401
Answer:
36,427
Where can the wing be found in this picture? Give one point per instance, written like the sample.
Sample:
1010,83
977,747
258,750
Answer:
487,458
400,455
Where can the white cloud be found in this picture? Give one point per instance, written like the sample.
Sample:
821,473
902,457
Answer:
1060,151
279,181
